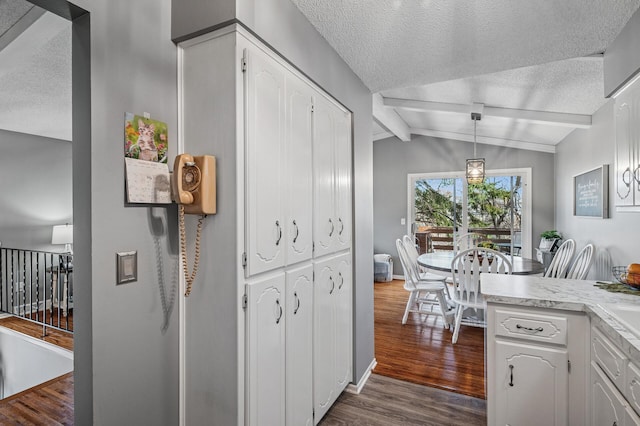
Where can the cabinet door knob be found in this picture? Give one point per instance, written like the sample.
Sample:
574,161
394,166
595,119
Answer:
333,285
341,226
332,227
341,280
511,373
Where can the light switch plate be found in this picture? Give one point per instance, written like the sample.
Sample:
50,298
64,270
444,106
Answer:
126,267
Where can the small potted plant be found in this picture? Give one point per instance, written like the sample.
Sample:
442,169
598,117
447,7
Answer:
547,238
488,245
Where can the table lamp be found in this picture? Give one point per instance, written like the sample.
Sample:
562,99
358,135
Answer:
63,234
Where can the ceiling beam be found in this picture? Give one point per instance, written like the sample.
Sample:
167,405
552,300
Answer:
389,119
576,121
531,146
20,26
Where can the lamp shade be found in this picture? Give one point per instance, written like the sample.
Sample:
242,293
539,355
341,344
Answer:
62,234
475,170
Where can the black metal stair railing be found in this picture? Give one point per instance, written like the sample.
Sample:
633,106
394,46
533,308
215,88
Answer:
37,286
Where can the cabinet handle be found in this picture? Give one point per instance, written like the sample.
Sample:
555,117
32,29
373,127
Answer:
332,227
635,175
279,232
511,379
614,423
626,172
295,294
537,330
341,280
341,226
333,285
280,312
297,231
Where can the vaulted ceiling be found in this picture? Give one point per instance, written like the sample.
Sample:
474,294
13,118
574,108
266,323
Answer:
536,67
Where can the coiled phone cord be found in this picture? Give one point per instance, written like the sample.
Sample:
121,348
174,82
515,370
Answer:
189,277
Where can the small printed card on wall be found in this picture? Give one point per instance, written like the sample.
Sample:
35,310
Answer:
591,193
145,150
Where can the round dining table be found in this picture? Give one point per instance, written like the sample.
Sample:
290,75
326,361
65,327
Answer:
441,261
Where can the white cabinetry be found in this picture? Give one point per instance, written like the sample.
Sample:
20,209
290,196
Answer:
627,152
536,370
530,376
299,346
268,125
279,166
614,384
266,351
279,348
332,331
332,177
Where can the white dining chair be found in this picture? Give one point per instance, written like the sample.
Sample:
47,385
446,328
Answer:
466,268
560,262
581,265
426,297
425,274
467,241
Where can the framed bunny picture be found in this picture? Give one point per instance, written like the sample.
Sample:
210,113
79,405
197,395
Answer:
145,139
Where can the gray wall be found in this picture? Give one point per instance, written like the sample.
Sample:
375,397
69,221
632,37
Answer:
281,25
36,172
581,151
126,362
394,160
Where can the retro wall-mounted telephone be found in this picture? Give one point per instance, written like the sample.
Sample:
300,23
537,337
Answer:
194,189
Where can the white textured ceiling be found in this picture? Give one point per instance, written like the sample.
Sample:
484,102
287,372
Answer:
35,72
511,54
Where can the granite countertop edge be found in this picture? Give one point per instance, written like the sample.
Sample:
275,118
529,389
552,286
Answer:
568,295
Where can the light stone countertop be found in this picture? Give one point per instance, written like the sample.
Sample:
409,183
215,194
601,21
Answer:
569,295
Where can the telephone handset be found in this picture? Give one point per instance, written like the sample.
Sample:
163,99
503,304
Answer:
194,189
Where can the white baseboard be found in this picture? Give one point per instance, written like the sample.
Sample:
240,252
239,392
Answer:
398,277
356,389
32,307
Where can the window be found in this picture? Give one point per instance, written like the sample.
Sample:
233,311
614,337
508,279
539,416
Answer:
443,206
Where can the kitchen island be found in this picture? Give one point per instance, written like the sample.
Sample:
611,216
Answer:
557,352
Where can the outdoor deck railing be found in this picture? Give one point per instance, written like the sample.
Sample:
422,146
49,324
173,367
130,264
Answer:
441,238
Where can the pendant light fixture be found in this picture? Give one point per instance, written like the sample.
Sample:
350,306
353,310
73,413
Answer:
475,166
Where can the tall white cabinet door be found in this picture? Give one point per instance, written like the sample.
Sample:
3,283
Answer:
266,351
265,134
343,310
299,346
624,175
529,377
324,222
343,180
299,170
324,337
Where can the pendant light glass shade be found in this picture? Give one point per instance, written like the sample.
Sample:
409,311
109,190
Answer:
475,170
475,166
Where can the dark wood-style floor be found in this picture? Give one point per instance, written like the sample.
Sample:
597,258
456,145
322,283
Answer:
50,403
385,401
421,351
421,378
